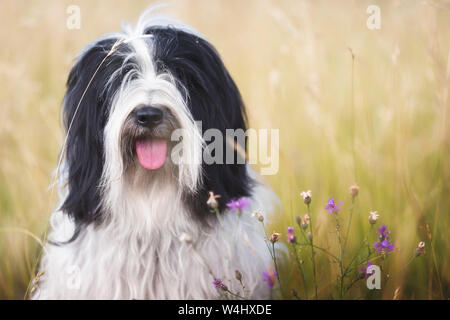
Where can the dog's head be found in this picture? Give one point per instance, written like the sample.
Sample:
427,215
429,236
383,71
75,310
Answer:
126,95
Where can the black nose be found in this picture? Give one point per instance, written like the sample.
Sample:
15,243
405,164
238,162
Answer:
149,116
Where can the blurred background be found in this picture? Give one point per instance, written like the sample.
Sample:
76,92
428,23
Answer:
353,105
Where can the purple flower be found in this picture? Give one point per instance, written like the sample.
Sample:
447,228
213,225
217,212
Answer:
219,284
269,277
363,271
383,232
238,204
332,206
384,246
291,235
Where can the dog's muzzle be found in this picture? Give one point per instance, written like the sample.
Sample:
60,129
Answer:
148,117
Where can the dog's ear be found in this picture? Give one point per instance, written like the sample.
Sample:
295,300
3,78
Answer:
85,112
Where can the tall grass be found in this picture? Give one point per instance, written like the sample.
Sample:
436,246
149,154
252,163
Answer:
376,115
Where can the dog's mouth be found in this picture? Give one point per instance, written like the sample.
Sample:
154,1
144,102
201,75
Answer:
145,137
151,153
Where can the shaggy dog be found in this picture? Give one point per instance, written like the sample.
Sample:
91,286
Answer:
135,221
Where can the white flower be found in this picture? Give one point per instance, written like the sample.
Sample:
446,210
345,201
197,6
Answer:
305,222
306,196
212,202
420,249
373,217
274,237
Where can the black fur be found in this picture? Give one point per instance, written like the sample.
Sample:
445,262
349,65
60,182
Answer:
84,147
213,98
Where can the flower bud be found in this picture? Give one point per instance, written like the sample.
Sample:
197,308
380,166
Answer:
420,249
306,196
274,237
373,217
310,236
258,216
305,222
212,202
238,275
354,190
291,238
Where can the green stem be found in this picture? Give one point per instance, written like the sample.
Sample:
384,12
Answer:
359,249
349,222
243,287
276,266
313,258
300,268
235,294
322,249
274,258
267,239
341,269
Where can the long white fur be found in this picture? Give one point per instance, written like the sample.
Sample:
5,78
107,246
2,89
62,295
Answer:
137,252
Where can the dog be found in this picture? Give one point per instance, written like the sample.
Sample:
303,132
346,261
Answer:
133,223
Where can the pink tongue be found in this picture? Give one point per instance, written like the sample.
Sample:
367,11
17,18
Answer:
151,153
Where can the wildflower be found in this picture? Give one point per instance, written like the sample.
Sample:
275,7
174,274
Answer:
258,216
420,249
184,237
310,236
383,232
363,274
354,190
384,246
238,275
373,217
333,206
291,235
269,277
298,219
219,284
238,204
212,202
305,222
274,237
306,196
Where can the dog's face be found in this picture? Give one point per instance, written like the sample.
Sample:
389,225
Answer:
126,95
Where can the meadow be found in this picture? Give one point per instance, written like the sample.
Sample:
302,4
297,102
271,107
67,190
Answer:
352,105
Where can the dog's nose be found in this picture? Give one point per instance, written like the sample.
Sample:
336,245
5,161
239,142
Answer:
149,116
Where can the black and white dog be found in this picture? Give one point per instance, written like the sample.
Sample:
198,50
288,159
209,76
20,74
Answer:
133,223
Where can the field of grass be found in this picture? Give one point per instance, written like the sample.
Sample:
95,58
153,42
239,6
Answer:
353,105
